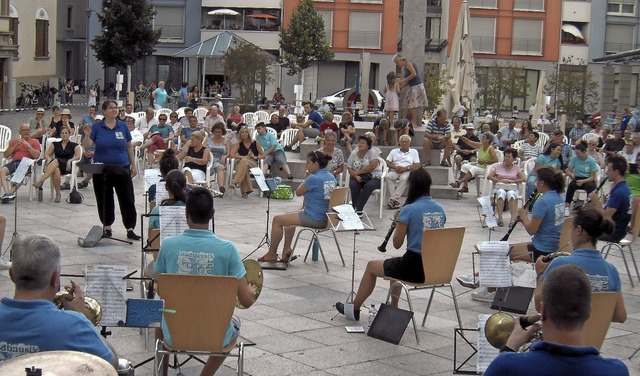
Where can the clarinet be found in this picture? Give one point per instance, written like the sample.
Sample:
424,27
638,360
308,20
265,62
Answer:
515,223
383,247
588,200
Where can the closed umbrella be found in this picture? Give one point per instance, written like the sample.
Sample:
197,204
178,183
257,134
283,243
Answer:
224,13
461,70
540,110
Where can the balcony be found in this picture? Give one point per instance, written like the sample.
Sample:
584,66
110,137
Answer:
576,51
267,40
171,33
430,45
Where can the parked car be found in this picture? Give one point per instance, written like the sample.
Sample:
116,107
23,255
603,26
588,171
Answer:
336,100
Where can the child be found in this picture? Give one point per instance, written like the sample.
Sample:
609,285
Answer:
347,130
381,129
392,102
327,124
403,126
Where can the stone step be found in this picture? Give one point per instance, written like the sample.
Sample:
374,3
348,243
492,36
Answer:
444,192
440,175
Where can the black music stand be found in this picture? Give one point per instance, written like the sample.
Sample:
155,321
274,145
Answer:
272,185
96,233
17,185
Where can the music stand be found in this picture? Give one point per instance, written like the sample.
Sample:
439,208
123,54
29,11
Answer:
17,180
267,186
96,233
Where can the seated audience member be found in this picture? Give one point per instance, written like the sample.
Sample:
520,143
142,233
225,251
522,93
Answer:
38,124
347,131
277,124
188,130
188,112
308,128
401,161
246,152
457,129
234,119
420,212
576,133
196,156
403,126
629,152
530,148
437,135
65,121
565,307
176,185
588,226
59,159
136,136
159,137
168,162
218,146
507,135
381,129
633,181
144,123
327,124
486,128
212,118
336,162
176,126
221,257
274,155
525,130
614,145
283,120
316,190
22,147
364,173
486,156
549,158
582,172
464,152
30,322
507,177
617,207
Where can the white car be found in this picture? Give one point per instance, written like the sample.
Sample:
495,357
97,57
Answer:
336,100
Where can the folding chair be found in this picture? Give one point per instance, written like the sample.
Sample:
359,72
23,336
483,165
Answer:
338,197
197,321
603,304
635,231
440,250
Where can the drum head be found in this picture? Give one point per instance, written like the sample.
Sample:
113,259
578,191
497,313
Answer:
255,278
58,363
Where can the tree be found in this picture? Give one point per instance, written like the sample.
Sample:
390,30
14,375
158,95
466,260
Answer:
127,33
500,81
304,41
575,89
245,66
435,84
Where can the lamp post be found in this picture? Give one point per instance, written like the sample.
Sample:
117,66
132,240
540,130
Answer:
86,53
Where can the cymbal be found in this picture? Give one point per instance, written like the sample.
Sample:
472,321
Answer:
255,278
58,363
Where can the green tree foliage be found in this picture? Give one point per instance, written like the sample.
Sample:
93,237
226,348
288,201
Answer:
435,84
500,82
246,66
304,41
127,33
574,87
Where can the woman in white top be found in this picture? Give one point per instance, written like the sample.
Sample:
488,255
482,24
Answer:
364,171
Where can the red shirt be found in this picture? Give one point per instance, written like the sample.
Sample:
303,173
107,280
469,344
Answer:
236,118
324,126
21,151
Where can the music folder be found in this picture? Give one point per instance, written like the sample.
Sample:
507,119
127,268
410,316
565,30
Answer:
513,299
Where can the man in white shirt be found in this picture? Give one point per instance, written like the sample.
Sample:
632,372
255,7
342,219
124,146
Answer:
213,118
401,161
136,136
217,101
629,152
508,135
144,123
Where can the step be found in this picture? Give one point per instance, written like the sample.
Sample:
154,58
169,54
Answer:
444,192
440,175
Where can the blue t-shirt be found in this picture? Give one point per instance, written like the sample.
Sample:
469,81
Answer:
317,119
187,131
319,186
87,120
602,274
164,130
161,97
199,252
267,141
619,199
423,214
549,207
583,169
28,326
547,358
547,160
111,144
182,95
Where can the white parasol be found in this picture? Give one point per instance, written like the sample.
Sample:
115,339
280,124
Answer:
224,13
540,110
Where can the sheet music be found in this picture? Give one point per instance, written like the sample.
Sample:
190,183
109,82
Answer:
259,176
161,192
173,221
349,217
486,352
105,284
151,177
495,269
487,209
523,274
343,209
22,170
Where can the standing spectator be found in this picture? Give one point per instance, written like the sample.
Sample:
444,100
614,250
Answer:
183,94
401,161
152,89
626,118
68,90
277,96
93,95
217,102
437,135
226,89
391,91
159,96
416,98
194,97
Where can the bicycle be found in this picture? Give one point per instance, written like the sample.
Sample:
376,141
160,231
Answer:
25,100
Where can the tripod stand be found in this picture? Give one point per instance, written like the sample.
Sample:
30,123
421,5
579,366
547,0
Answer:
271,185
17,180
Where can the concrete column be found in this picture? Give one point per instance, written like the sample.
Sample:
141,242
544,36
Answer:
413,31
607,91
364,80
624,91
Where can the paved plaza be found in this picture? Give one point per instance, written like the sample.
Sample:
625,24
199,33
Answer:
293,323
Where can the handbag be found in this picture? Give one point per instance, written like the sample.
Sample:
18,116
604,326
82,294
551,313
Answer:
364,178
75,197
284,192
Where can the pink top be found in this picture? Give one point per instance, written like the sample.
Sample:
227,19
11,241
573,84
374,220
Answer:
507,173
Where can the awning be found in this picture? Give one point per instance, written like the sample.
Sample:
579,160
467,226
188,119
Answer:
213,47
573,30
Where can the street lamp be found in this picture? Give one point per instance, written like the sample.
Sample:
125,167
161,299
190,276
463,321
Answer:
86,54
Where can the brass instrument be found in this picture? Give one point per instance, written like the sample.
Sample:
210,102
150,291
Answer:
92,308
499,326
551,256
255,279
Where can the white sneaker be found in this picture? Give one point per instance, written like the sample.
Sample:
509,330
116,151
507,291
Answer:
467,280
4,264
483,295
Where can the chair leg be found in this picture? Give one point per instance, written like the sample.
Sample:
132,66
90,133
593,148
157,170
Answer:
335,238
624,258
240,359
426,313
455,305
633,259
406,291
317,240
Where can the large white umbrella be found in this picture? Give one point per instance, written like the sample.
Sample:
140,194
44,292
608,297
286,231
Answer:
224,13
540,110
461,70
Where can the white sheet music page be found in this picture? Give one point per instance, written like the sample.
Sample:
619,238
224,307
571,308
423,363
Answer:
173,221
495,269
105,284
18,176
349,217
161,192
486,352
487,209
259,177
151,177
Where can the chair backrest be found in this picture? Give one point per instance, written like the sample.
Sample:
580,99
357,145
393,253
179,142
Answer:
337,119
590,137
200,113
518,144
603,304
180,112
5,137
338,197
565,243
269,129
262,116
529,165
542,140
488,184
292,118
203,306
499,155
287,136
250,119
139,115
440,250
166,111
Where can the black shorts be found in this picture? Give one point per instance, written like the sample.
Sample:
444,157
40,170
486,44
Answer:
12,166
407,268
535,252
467,157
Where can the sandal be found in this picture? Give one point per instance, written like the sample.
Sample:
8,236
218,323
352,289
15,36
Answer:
245,195
264,259
290,177
284,259
455,184
463,190
37,185
58,197
233,185
445,164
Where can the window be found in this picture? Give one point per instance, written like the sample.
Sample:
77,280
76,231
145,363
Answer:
526,37
484,35
493,4
621,8
367,1
13,24
327,16
171,20
535,5
618,38
364,29
69,17
42,33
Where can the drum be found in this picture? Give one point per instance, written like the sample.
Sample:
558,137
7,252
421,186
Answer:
255,278
58,363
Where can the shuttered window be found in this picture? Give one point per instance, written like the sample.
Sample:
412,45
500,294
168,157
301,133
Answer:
42,38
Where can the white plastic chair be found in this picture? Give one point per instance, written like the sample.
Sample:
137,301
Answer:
542,140
590,137
166,111
490,186
138,115
269,129
262,116
292,118
287,136
180,112
5,137
380,192
337,119
250,119
200,113
208,176
482,176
